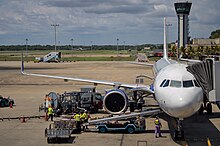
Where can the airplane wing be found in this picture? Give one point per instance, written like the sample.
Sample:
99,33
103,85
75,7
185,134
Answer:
95,82
143,64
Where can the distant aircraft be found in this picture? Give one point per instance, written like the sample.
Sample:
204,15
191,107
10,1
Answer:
175,89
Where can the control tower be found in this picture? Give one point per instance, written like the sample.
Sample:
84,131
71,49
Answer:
182,10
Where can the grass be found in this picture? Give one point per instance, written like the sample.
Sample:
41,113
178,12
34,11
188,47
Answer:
110,55
98,59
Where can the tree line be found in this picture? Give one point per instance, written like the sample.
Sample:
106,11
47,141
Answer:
69,47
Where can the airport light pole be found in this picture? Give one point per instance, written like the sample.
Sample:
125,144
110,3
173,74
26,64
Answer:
167,26
26,47
91,48
55,29
72,46
117,46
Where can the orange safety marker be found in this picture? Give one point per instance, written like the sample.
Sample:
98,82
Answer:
23,119
11,106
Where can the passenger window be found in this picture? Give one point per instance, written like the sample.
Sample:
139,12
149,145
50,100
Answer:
162,83
166,83
175,83
188,84
196,83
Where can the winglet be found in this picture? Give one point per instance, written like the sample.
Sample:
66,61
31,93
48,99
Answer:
22,63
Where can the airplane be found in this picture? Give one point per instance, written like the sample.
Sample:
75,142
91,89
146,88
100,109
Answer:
175,89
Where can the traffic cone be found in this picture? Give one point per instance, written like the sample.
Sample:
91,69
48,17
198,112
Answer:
11,106
23,119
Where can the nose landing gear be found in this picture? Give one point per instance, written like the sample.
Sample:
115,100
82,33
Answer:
179,133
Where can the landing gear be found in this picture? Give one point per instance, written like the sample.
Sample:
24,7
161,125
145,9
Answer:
209,108
206,106
201,110
179,133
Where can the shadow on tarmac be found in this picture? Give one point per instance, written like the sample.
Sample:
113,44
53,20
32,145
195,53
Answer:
197,129
63,140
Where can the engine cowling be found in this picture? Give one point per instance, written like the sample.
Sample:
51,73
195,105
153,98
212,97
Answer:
115,101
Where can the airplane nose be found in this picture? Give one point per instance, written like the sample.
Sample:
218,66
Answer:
185,106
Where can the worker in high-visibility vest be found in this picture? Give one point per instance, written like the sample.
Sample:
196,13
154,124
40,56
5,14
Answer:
50,113
78,122
158,125
85,117
82,116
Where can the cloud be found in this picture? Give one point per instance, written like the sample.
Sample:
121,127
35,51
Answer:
135,21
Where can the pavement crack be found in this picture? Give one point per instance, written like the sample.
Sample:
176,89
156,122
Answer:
122,139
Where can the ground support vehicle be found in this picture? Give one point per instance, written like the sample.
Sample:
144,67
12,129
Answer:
6,102
130,123
91,101
51,57
70,102
131,126
60,130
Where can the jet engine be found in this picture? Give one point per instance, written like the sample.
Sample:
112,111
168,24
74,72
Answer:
115,101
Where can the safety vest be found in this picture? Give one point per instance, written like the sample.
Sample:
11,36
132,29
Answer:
50,111
82,117
157,122
85,115
77,117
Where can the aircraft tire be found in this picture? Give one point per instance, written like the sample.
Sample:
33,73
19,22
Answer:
209,108
130,130
102,129
201,109
178,135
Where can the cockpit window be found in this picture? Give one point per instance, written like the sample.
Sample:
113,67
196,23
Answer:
187,83
166,83
162,83
196,83
175,83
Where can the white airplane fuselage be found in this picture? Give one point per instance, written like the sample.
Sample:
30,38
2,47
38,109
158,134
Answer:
177,92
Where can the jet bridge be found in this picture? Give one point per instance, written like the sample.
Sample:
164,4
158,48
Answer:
207,74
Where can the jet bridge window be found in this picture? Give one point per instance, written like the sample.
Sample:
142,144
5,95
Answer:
175,83
188,84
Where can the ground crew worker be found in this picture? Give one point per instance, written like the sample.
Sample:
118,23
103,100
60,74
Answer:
50,113
82,116
78,122
86,115
86,118
158,125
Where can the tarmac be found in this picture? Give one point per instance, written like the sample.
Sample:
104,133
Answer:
29,92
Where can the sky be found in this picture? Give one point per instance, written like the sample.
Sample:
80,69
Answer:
100,22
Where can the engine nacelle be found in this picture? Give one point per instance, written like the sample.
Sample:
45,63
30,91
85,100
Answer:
115,101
